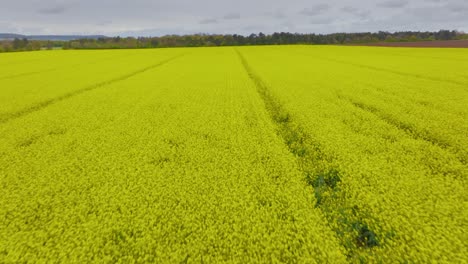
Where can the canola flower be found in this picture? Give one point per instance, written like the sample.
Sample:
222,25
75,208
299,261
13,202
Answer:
175,164
291,154
392,189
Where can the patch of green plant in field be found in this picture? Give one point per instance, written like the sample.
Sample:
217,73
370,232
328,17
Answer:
323,182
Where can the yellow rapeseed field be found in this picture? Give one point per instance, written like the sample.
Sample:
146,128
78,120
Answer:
273,154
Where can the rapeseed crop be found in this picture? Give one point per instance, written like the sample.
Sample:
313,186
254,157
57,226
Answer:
245,155
177,163
389,172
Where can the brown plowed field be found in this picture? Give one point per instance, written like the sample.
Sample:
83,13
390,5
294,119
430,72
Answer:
422,44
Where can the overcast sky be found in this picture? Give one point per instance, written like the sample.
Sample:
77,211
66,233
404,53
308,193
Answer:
161,17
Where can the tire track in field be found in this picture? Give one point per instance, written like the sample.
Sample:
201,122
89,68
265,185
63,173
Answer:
46,103
13,76
374,68
19,62
349,222
405,74
407,128
107,59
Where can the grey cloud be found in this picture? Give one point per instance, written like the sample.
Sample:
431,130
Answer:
7,28
422,18
104,23
315,10
251,28
158,17
209,21
52,10
288,26
356,12
321,20
277,14
458,8
393,3
349,9
232,16
440,14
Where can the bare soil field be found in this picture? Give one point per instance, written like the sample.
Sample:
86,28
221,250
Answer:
422,44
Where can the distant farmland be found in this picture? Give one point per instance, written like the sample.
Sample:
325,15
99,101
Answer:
295,154
423,44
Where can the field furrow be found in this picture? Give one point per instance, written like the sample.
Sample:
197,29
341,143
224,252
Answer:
319,172
72,76
33,108
412,131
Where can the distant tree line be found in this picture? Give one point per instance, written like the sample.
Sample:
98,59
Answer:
24,44
205,40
